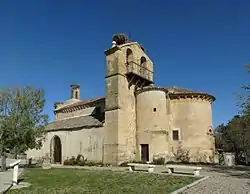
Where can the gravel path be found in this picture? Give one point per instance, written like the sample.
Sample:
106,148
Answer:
222,182
6,179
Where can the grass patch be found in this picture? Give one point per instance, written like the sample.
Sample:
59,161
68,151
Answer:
106,182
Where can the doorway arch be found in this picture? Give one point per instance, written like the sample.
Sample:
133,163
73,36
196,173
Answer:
56,150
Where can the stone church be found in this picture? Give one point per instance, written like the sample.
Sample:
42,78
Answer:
136,120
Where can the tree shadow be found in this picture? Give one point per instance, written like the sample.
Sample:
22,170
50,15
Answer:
238,167
245,175
235,171
18,181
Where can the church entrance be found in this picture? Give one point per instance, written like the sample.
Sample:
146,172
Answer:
56,150
144,152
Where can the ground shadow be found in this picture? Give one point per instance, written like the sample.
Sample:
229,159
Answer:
238,167
183,173
20,180
234,171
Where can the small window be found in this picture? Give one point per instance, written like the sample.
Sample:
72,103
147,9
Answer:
154,109
143,60
129,55
175,135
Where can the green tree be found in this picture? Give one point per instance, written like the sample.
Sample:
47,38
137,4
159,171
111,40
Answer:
220,137
244,109
238,130
22,121
235,137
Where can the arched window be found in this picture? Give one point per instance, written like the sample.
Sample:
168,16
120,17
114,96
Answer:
143,61
143,65
76,95
129,55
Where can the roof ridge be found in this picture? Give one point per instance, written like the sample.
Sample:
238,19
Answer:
80,103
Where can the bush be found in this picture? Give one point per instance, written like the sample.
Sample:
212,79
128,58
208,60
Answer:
68,162
159,161
190,163
81,161
182,155
125,163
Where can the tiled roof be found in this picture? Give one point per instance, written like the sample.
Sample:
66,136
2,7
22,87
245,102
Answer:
82,102
175,89
74,122
179,90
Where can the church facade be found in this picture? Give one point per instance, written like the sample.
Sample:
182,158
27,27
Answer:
136,120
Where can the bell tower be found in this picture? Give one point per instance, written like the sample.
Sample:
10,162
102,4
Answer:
75,91
127,68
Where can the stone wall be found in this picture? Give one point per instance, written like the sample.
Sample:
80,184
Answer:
120,111
193,119
88,142
120,115
152,122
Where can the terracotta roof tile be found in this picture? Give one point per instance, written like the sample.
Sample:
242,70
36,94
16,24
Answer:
82,102
179,90
175,89
74,122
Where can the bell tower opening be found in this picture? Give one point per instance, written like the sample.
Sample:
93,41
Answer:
75,92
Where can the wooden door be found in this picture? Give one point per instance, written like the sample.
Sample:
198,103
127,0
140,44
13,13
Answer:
144,152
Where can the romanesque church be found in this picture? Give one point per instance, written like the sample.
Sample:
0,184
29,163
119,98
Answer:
135,120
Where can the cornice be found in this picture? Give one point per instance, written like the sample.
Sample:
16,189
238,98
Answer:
202,96
112,50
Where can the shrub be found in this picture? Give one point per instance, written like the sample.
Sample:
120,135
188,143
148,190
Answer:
39,161
159,161
81,161
69,162
182,155
73,160
90,163
124,164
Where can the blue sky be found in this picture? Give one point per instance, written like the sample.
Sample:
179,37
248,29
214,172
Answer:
200,45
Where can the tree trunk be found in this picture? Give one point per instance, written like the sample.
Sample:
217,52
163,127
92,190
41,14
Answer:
3,162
